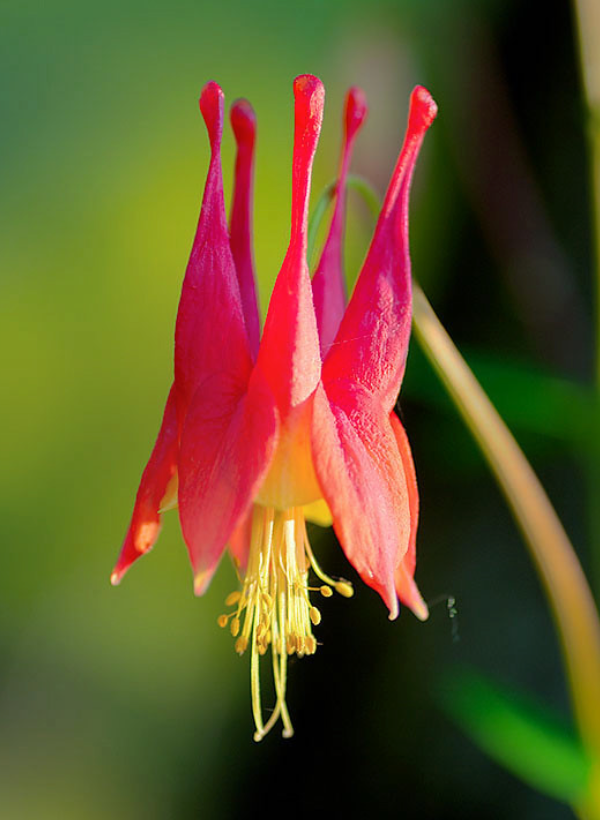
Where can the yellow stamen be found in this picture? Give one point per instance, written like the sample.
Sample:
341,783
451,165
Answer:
344,588
273,608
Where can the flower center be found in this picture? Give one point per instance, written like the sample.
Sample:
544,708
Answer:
291,480
273,609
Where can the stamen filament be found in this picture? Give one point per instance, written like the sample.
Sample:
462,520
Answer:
255,686
342,587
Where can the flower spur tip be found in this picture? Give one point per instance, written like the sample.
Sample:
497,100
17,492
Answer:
309,93
243,121
356,110
423,109
212,106
307,84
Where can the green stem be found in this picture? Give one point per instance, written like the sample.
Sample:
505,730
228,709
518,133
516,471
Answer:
358,184
587,13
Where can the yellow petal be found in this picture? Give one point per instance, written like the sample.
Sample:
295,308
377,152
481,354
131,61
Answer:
319,513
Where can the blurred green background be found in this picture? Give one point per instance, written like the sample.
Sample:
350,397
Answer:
130,703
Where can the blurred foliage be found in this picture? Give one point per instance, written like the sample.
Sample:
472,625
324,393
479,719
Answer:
518,734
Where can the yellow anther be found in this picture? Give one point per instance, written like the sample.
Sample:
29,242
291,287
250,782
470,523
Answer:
233,598
262,648
326,591
344,588
241,645
222,620
310,644
300,644
235,627
315,615
261,630
267,601
291,644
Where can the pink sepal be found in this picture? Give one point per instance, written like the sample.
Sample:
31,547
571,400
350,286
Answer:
406,587
289,351
361,474
210,335
228,441
159,472
372,341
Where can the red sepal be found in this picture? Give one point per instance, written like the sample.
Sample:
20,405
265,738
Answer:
159,472
361,474
406,588
289,351
228,441
372,341
210,335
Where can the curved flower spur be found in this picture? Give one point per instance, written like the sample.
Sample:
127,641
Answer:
260,434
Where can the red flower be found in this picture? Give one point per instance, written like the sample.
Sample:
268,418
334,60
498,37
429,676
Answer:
260,432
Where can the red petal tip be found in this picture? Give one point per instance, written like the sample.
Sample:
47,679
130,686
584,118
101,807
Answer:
243,122
309,92
423,110
356,110
202,582
394,608
115,578
212,107
421,610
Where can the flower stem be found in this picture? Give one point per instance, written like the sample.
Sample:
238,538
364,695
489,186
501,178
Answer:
587,13
358,184
566,587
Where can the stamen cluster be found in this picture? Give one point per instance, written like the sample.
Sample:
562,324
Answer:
273,608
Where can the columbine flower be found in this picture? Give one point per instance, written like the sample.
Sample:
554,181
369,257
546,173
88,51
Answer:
259,434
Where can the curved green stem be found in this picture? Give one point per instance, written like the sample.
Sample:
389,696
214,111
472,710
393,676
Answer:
587,14
356,183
